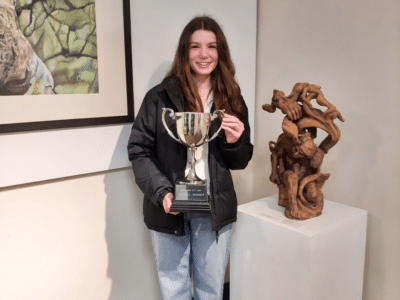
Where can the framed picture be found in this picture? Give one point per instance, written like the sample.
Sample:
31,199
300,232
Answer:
65,64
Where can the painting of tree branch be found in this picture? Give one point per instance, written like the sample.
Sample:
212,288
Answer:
48,47
64,64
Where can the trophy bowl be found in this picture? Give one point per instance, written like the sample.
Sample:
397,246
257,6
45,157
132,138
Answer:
192,130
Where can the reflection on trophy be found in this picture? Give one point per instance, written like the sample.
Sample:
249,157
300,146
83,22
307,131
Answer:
192,130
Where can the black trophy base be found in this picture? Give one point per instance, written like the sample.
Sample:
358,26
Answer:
191,198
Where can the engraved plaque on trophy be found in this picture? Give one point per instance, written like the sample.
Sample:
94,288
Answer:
192,130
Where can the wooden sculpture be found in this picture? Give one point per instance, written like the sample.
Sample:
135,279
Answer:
295,158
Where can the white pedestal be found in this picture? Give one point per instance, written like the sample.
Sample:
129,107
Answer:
273,257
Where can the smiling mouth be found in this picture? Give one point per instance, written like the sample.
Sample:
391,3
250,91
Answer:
203,64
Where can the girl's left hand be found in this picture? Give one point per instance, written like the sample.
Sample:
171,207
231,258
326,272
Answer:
233,128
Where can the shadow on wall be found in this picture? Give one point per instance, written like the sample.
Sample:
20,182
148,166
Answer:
374,272
159,74
131,265
352,159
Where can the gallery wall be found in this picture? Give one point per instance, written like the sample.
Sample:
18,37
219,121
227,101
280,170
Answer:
351,49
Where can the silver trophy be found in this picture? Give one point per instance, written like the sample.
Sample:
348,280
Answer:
192,130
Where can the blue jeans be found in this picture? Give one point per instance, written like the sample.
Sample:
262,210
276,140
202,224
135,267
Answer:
196,254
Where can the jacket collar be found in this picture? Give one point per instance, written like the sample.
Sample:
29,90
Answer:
174,90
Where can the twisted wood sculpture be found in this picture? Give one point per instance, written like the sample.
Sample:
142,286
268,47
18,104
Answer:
295,158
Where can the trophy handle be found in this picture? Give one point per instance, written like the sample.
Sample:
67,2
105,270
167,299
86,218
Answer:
213,116
172,116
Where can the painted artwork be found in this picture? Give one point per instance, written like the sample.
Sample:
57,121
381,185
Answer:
60,50
48,47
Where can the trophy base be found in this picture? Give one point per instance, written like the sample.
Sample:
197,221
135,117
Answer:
191,198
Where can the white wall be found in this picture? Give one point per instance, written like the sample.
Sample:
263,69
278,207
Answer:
80,238
350,48
43,155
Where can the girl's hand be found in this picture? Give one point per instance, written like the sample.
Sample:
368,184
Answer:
167,203
233,128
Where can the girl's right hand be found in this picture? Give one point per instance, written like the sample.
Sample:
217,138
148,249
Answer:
167,203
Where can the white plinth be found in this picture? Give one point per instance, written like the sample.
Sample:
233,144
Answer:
273,257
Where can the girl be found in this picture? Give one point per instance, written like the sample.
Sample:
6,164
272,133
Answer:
192,245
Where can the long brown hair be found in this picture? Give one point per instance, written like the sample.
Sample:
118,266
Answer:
226,91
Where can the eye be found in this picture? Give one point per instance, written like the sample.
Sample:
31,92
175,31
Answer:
1,36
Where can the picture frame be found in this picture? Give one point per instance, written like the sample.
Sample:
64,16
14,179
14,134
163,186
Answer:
113,104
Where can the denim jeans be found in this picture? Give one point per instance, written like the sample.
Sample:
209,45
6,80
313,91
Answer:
197,255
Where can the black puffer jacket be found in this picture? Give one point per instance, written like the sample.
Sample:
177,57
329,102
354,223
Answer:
158,160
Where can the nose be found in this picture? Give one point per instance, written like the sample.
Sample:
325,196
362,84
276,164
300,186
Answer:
203,52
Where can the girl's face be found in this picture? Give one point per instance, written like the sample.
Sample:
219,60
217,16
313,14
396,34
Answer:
203,54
